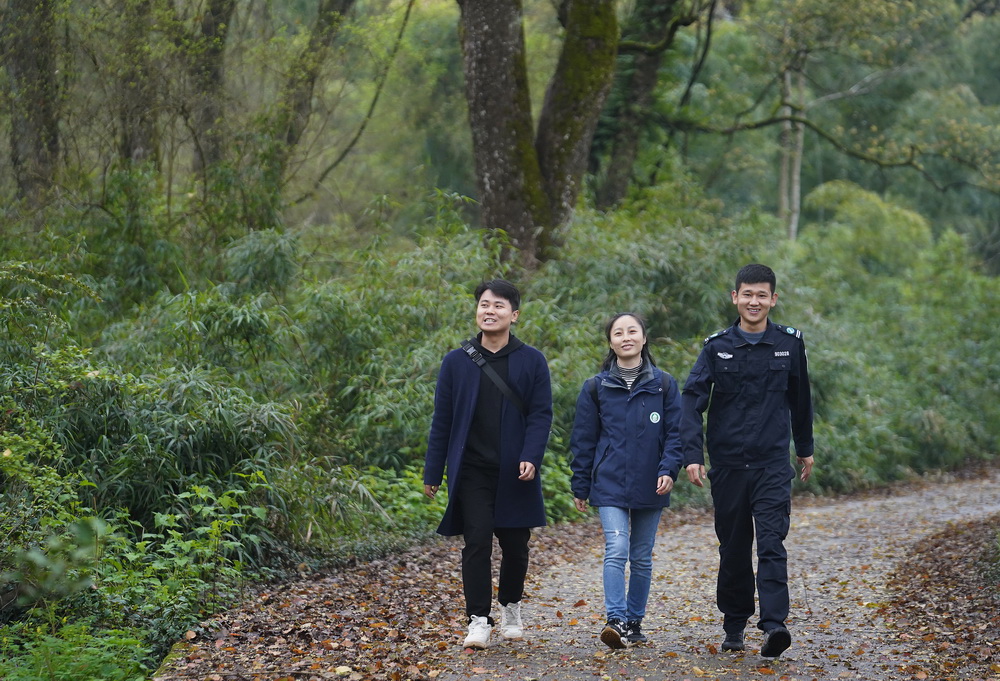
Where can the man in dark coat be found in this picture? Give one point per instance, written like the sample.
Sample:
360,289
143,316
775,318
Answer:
489,431
753,379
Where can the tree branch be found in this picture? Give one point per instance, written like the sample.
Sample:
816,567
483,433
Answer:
383,77
912,159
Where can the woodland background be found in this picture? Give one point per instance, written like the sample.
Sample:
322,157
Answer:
239,237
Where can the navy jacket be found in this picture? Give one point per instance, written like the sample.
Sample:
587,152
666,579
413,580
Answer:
754,395
622,447
518,503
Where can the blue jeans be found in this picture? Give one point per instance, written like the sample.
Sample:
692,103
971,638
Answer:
633,544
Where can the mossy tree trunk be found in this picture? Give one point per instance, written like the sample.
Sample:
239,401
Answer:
295,104
27,38
647,35
137,95
529,183
208,79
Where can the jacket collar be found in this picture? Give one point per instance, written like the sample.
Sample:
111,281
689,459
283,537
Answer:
739,341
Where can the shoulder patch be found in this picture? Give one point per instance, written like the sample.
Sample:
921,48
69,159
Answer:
722,332
790,330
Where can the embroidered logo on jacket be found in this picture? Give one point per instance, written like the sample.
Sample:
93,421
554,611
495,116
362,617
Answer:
725,355
782,353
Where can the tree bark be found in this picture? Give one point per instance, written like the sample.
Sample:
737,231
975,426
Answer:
784,148
573,105
508,175
296,98
529,185
208,75
798,149
27,35
655,23
138,102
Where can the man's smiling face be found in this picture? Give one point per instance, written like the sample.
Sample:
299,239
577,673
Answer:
494,314
754,302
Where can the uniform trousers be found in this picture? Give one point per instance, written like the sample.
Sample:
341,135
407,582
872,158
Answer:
749,502
477,501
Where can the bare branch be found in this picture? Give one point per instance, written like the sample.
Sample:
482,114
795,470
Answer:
383,77
911,160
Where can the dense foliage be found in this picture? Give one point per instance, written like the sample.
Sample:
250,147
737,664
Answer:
215,375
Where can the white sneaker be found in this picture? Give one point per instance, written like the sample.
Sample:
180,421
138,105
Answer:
479,633
510,621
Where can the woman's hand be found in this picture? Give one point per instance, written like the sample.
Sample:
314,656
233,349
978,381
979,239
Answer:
664,484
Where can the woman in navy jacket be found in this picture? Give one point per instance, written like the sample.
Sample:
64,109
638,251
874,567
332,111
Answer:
626,456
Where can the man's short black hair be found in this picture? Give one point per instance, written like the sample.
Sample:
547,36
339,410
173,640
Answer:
756,274
503,289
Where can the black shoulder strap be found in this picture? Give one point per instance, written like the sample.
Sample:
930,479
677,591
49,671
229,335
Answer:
478,358
592,389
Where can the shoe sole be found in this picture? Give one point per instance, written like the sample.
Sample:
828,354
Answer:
612,639
776,644
513,637
730,648
475,645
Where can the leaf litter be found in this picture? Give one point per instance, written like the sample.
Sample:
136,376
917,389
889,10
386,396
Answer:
885,585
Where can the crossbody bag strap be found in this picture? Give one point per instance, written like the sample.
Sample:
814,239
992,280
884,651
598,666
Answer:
478,358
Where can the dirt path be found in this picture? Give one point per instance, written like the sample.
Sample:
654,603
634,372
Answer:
840,554
402,617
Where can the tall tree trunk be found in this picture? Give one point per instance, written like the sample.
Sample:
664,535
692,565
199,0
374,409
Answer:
508,176
138,102
295,101
653,23
573,104
528,185
208,75
798,149
27,36
784,149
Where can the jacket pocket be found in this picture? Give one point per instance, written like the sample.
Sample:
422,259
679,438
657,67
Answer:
599,461
777,375
727,375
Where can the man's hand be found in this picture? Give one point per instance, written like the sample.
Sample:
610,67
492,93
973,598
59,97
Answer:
430,491
527,471
581,504
807,467
696,472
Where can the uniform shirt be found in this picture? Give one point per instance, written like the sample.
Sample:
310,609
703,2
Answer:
757,397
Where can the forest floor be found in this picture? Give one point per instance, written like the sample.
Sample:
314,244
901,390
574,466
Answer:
887,585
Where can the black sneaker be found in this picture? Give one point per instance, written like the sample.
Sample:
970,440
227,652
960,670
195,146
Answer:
776,641
635,634
734,641
614,634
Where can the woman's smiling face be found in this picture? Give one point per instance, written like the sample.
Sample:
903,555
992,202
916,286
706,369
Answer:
627,339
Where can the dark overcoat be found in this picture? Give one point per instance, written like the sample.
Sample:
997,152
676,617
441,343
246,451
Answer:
518,503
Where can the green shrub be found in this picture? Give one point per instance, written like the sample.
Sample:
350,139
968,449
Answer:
74,652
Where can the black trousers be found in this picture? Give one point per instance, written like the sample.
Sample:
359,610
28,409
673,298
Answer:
477,499
752,502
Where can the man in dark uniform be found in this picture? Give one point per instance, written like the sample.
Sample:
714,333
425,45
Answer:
752,379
